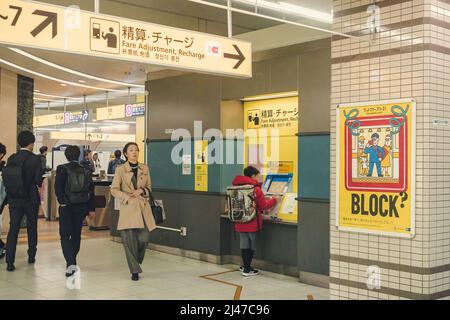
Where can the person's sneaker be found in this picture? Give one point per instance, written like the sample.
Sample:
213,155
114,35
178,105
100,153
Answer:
70,271
241,268
249,273
10,267
31,260
254,272
135,277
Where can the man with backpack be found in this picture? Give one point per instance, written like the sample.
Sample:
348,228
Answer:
74,190
22,177
246,203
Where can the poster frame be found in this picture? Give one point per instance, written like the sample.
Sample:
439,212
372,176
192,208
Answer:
412,163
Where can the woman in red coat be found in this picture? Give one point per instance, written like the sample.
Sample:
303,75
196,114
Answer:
247,231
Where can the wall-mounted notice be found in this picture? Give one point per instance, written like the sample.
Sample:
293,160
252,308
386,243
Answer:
201,165
375,182
187,165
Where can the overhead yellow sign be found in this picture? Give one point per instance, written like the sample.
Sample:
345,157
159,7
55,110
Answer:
376,167
91,136
71,30
48,120
109,113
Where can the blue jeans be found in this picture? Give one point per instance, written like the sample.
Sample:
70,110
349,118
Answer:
247,240
378,168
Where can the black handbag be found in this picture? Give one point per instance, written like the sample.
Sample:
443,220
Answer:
157,210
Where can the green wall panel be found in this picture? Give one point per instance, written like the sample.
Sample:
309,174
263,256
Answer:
314,166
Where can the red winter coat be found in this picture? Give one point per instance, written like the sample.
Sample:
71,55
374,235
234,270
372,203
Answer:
261,204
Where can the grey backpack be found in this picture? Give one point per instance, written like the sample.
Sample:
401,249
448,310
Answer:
241,203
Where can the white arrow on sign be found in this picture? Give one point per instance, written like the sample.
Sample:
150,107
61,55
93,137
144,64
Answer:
22,24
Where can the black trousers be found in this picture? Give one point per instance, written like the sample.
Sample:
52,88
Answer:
17,210
71,219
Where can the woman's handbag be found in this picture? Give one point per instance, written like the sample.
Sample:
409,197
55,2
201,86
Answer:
157,209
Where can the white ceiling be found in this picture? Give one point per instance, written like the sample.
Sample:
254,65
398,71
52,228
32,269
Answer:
262,33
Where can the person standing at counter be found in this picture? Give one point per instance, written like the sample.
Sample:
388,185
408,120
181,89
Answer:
87,161
117,161
43,156
97,164
74,189
132,186
247,231
22,177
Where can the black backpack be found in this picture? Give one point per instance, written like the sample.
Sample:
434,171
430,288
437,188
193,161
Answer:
12,176
77,185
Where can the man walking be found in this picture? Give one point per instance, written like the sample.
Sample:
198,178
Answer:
22,177
75,192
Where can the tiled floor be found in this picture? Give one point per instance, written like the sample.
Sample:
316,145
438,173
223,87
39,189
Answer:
105,275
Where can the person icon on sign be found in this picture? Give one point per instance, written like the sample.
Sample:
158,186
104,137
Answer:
111,38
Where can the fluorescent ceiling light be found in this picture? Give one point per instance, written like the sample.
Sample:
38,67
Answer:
118,121
59,97
53,78
271,96
89,99
81,74
289,8
40,99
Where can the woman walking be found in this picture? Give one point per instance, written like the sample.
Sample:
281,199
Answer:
132,186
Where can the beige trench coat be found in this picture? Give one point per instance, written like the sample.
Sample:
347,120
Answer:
133,211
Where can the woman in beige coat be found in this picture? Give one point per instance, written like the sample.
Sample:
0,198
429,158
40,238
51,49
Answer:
132,186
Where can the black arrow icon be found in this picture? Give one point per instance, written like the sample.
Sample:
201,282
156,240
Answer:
238,56
52,18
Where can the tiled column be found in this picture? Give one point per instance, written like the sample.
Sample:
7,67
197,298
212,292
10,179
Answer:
409,58
25,91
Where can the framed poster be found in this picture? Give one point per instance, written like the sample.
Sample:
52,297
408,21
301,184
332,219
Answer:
375,163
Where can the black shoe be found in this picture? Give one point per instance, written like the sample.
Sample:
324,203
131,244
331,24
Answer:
135,277
10,267
2,253
31,260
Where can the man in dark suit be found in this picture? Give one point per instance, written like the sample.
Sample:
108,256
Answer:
28,205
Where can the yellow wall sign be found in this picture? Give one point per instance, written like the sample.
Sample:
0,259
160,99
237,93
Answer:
70,30
263,116
201,165
376,167
281,114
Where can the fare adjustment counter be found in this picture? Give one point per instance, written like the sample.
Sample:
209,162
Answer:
103,201
280,185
